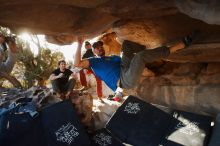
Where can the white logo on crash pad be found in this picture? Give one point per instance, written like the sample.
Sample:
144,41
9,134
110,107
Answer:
103,139
132,108
188,127
67,133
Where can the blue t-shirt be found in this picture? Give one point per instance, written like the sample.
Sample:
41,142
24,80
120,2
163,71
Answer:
107,69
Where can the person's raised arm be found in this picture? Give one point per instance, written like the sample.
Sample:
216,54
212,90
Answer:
12,57
12,46
78,62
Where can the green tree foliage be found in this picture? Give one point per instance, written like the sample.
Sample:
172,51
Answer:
37,68
31,69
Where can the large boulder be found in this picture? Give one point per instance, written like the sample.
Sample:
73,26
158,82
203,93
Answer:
155,22
147,22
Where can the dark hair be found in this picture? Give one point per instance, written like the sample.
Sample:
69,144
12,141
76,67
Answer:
97,44
60,61
87,43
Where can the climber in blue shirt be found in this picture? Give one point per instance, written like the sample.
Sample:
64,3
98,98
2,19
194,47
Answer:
125,71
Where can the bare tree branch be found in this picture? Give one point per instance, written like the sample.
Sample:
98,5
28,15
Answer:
11,79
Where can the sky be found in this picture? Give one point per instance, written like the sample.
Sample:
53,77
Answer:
67,50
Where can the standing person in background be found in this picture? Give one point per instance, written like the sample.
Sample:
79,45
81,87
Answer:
89,53
61,82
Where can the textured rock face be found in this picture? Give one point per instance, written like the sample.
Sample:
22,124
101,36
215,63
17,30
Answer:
191,87
140,20
111,45
83,106
208,12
